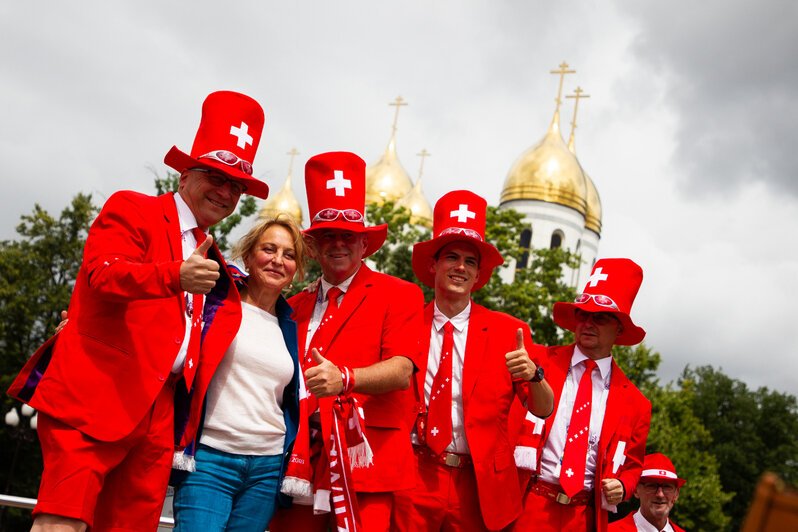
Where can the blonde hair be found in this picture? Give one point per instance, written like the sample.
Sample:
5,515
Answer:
245,245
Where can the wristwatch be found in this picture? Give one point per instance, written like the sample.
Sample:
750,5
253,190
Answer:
539,374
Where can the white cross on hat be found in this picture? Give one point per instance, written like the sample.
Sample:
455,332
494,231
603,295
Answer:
462,213
596,276
244,138
339,183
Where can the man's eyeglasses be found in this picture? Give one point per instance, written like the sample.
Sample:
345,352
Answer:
236,187
230,159
653,487
599,318
598,299
329,215
461,231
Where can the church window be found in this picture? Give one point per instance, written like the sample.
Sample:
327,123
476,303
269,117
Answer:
526,239
556,239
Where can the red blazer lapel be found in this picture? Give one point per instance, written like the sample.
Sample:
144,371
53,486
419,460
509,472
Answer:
616,404
556,371
303,304
173,234
478,326
354,296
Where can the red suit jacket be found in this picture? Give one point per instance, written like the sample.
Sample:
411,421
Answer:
380,317
103,371
627,418
627,524
488,395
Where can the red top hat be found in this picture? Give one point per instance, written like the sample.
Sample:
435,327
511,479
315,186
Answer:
336,186
227,140
611,287
657,466
459,215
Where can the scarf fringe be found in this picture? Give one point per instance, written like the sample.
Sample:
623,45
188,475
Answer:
526,458
183,462
360,455
300,489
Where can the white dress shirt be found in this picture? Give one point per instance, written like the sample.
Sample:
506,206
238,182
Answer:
459,444
551,460
187,223
321,305
644,526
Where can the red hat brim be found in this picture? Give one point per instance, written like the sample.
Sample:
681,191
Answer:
679,481
564,317
377,233
423,252
181,161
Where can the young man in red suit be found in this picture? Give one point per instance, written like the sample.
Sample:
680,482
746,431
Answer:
358,331
588,456
478,363
149,319
657,490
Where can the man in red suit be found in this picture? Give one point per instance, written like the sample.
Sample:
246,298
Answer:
149,319
358,331
657,490
477,365
588,456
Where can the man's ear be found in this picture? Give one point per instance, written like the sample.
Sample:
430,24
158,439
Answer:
431,265
310,245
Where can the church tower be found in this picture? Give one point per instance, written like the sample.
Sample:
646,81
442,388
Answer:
559,203
284,200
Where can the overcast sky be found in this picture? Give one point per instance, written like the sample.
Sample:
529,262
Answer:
689,133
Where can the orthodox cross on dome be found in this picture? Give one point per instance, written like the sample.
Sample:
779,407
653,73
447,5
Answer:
339,183
576,96
462,213
244,138
399,102
562,72
292,153
595,277
423,154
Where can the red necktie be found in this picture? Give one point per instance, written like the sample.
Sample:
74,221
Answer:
572,471
439,414
332,306
195,315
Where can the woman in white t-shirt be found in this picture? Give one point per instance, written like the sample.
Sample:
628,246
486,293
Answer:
251,407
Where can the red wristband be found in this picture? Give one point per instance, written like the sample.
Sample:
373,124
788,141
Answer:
348,378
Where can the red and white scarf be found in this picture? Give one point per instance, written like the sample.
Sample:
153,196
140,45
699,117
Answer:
528,444
341,446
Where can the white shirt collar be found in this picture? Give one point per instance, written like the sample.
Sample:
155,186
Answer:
604,364
460,321
344,286
644,526
187,219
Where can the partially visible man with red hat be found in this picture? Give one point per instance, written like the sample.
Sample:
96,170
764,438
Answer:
149,320
587,457
478,362
358,337
657,490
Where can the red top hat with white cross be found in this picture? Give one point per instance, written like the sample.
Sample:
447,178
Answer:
459,216
657,466
227,140
611,287
336,186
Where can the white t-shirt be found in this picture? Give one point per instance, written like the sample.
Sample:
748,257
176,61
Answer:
244,412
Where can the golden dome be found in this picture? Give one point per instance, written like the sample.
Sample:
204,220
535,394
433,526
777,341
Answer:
547,172
593,214
417,204
282,202
386,179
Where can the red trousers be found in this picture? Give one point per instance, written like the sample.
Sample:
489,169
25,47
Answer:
375,516
545,515
445,498
108,485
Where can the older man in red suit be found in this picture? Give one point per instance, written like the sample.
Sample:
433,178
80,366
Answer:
478,363
149,319
358,331
588,456
658,491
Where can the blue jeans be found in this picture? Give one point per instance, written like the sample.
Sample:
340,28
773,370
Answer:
228,492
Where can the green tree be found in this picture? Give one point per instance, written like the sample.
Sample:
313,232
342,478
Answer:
37,273
751,432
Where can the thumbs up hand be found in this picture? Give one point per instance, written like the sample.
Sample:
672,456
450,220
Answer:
198,275
324,379
519,364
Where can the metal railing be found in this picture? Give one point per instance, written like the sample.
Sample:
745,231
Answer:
24,502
